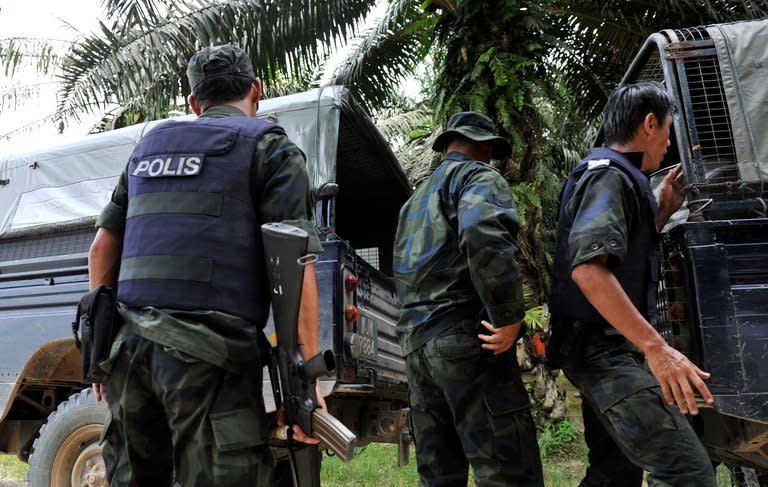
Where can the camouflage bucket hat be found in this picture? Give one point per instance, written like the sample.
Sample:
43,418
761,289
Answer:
216,61
477,127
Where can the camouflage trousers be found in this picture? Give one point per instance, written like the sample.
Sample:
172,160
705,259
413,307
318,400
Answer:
470,407
174,417
607,465
630,408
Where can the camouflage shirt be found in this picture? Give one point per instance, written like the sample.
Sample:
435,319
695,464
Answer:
454,252
602,209
219,338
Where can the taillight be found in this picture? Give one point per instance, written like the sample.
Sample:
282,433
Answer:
351,313
350,283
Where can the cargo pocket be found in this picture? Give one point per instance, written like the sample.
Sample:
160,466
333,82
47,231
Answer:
641,418
458,347
237,458
458,358
513,432
238,429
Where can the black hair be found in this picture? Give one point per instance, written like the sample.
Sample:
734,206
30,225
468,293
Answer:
628,106
222,89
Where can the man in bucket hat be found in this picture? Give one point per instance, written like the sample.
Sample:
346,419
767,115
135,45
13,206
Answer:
461,312
184,248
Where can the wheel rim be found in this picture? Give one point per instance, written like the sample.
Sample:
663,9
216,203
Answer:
79,462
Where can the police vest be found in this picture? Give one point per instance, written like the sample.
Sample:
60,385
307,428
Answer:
639,269
192,238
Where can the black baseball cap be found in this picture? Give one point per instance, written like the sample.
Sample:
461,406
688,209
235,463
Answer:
217,61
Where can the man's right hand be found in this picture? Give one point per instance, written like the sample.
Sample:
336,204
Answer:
501,338
676,374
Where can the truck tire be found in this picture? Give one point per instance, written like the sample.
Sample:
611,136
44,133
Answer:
66,452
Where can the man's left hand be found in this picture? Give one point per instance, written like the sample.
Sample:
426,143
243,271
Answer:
298,434
502,338
673,191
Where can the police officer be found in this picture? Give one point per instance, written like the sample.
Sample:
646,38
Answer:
604,285
461,310
181,240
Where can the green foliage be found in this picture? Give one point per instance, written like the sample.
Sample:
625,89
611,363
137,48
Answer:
492,61
536,318
536,201
558,439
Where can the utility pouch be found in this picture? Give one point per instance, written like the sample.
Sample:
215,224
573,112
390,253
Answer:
566,342
97,322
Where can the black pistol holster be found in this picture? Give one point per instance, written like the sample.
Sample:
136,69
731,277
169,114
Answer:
98,322
566,342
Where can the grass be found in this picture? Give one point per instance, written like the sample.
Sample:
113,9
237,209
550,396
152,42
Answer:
562,447
376,465
11,468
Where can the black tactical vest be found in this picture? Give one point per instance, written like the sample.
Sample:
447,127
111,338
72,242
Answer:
192,237
638,272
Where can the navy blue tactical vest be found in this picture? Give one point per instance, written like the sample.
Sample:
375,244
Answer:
638,271
192,237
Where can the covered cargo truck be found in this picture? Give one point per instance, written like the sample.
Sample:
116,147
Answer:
50,195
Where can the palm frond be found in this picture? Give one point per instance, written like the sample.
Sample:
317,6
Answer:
15,95
136,13
41,55
386,52
283,38
598,38
411,135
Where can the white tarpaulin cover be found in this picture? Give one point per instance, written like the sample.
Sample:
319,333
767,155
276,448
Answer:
63,183
742,52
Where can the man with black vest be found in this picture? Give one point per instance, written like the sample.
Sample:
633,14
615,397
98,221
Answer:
604,285
181,240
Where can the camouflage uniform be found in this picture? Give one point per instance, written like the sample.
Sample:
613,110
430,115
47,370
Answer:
454,264
185,390
630,415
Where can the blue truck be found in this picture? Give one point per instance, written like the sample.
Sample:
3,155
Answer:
49,197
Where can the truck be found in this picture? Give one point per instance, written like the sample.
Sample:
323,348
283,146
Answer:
713,284
50,195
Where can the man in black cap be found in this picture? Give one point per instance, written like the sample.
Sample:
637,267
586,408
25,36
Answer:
181,240
461,314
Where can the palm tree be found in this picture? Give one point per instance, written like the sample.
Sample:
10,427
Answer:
597,38
508,58
507,51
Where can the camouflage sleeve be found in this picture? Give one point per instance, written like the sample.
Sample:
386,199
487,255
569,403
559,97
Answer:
285,194
112,217
603,205
487,227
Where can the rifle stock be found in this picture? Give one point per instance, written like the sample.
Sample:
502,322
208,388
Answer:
285,251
